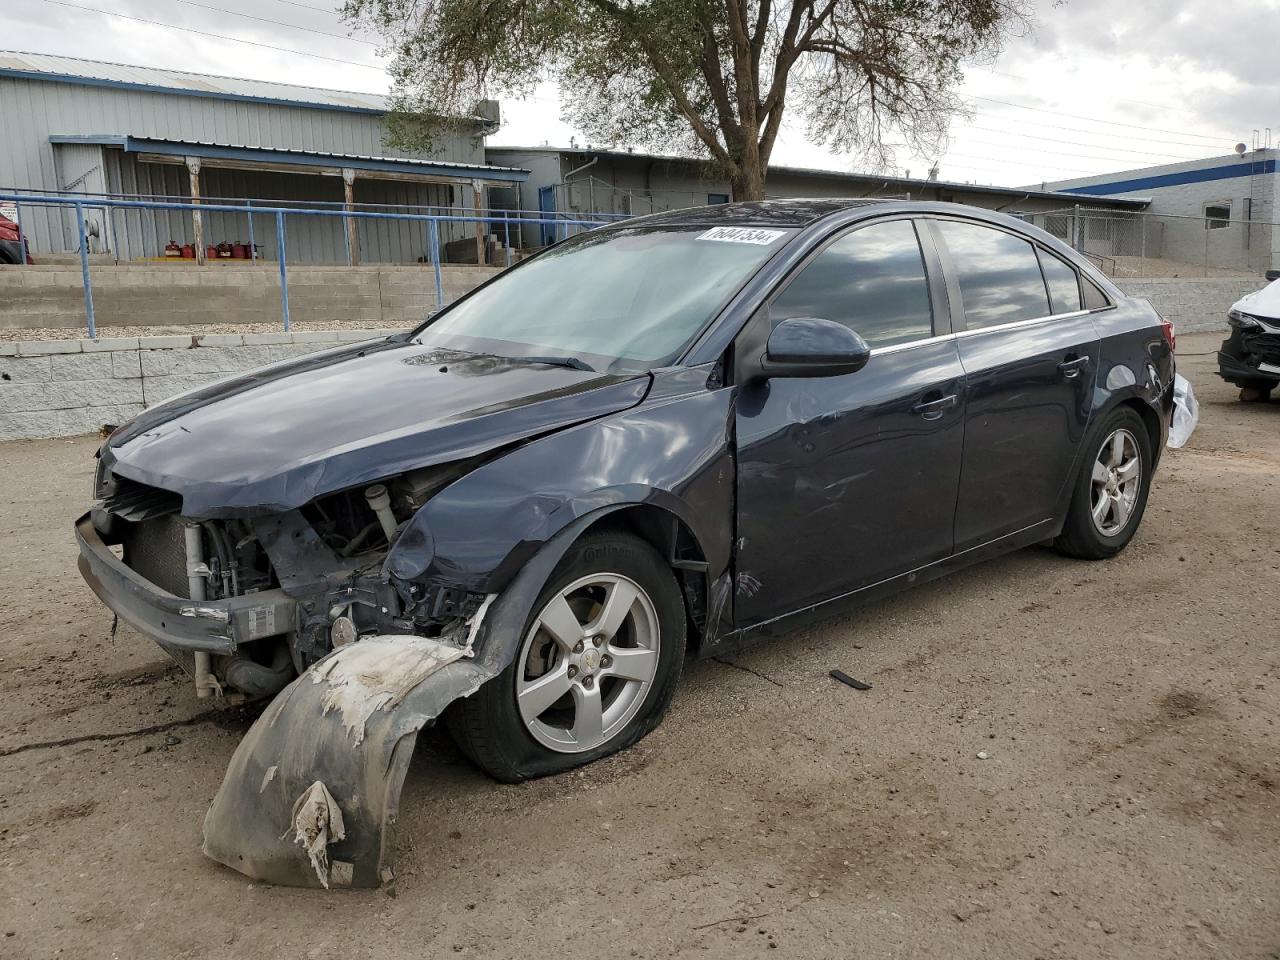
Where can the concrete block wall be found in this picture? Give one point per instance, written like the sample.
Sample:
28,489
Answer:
1191,305
59,388
55,388
167,294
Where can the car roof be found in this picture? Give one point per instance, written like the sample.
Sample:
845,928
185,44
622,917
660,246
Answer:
758,213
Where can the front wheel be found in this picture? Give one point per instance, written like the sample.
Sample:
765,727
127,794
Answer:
1111,491
596,668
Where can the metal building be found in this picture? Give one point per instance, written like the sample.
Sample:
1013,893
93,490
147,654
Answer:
81,126
568,180
1217,212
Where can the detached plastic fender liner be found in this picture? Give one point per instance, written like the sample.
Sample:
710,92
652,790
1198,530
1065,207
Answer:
350,723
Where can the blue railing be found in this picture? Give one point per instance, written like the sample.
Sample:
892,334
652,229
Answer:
431,221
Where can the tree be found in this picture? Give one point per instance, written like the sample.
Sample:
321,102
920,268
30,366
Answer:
709,77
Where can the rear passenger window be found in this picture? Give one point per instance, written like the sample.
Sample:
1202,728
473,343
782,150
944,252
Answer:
1094,298
999,275
872,280
1063,283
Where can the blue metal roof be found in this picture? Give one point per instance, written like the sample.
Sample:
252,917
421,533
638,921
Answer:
301,158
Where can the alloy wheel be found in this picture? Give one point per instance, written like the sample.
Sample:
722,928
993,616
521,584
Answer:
1117,481
588,662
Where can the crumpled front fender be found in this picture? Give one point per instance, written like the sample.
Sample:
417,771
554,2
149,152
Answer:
350,724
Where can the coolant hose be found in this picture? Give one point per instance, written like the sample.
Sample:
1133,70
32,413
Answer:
258,681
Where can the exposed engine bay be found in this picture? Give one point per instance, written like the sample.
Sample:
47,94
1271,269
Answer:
317,570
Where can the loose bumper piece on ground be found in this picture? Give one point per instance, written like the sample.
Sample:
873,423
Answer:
350,723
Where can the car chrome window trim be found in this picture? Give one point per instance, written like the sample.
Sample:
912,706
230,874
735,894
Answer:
1014,325
910,344
1018,324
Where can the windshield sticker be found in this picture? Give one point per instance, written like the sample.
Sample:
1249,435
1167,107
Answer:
742,235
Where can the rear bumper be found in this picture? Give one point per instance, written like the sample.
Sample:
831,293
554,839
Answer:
211,626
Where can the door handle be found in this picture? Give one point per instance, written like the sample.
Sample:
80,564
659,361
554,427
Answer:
933,409
1070,369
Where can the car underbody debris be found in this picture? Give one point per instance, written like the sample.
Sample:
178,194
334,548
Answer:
848,681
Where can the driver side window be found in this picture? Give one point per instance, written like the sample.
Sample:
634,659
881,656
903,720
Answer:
872,280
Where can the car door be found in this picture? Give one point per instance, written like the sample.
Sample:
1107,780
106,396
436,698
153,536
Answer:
844,481
1030,366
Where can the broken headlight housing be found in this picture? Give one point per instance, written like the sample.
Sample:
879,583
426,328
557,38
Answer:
1242,321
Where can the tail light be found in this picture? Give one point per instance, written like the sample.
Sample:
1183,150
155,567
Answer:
1170,337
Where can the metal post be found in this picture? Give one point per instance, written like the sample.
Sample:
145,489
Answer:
1075,229
434,242
115,240
1142,260
22,237
84,272
506,236
350,229
477,192
284,277
197,222
253,248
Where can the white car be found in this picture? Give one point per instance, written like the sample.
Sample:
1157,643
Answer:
1250,357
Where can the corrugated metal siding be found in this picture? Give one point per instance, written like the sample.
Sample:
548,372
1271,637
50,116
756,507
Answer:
310,239
31,111
182,80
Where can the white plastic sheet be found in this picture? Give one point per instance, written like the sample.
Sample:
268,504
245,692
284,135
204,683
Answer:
1186,412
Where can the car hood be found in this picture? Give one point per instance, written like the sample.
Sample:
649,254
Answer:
1263,303
278,437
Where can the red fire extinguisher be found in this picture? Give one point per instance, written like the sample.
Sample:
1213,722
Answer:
211,252
188,251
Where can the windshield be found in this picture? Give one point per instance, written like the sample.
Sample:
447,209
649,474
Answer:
618,299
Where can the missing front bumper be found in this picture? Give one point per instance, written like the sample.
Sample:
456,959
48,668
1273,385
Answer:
208,626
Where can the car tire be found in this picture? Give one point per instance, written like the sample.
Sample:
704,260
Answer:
515,728
1258,394
1106,508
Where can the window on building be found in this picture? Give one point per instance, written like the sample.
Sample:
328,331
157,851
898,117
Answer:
1062,281
715,198
1217,216
999,275
872,280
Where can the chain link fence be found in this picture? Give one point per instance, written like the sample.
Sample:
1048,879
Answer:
1124,244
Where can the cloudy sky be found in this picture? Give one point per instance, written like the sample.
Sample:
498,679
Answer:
1098,86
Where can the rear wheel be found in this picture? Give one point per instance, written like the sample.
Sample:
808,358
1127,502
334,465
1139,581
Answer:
1111,491
596,668
1255,394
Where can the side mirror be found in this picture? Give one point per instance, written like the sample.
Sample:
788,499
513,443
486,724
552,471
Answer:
812,347
1272,274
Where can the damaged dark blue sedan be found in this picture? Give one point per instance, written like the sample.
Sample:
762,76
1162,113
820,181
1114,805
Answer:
676,434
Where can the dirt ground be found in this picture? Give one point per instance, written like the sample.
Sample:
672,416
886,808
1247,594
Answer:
1129,805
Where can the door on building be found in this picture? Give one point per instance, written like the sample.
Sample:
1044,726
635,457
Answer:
861,470
1030,357
547,207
